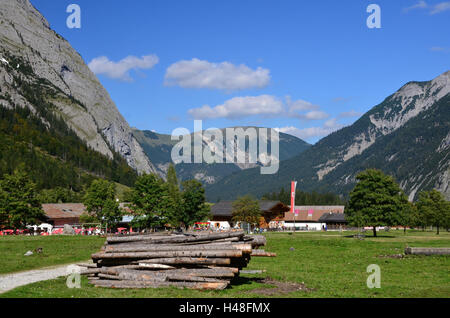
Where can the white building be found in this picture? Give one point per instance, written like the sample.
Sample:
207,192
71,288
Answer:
308,217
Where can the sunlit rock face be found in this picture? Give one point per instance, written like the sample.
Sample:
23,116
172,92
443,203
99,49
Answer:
26,38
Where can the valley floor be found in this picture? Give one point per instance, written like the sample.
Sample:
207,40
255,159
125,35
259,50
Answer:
322,264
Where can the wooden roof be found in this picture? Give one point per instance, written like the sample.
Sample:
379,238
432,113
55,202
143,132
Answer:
313,213
333,218
63,210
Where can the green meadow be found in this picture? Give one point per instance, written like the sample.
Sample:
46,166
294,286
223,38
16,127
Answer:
322,264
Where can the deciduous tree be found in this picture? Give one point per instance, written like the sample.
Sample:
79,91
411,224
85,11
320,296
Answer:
376,200
246,209
173,187
194,206
434,209
19,204
151,202
100,201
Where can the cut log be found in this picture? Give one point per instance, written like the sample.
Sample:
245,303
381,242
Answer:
176,238
134,284
218,272
193,279
255,240
106,276
176,274
90,271
225,240
154,266
427,250
187,261
142,275
168,254
88,265
245,248
262,253
112,262
131,266
137,238
256,271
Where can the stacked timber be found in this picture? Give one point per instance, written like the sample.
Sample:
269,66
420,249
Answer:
191,260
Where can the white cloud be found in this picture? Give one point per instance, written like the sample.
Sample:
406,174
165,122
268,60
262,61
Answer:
224,76
240,107
440,49
418,5
350,114
295,107
265,105
432,9
440,7
328,127
299,105
341,99
121,70
314,115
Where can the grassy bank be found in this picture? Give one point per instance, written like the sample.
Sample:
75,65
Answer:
330,264
55,250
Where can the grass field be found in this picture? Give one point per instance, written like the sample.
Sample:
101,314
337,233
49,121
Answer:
55,250
330,264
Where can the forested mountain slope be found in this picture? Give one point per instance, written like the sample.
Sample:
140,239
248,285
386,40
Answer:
407,135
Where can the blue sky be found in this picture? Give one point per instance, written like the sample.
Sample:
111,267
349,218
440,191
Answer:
306,67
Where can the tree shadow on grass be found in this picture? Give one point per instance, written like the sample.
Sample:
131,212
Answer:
239,281
274,287
369,236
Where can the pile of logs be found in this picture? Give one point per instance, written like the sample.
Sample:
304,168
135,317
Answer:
190,260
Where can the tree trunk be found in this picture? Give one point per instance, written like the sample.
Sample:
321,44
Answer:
437,233
375,231
404,230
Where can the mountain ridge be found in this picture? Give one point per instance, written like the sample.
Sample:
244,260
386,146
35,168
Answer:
159,147
349,143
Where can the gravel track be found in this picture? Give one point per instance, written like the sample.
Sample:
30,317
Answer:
13,280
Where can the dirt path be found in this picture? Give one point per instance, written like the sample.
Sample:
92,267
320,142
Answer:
13,280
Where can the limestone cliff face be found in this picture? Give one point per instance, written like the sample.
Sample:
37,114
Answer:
49,60
407,103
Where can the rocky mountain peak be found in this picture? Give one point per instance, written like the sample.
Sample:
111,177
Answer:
86,106
395,111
